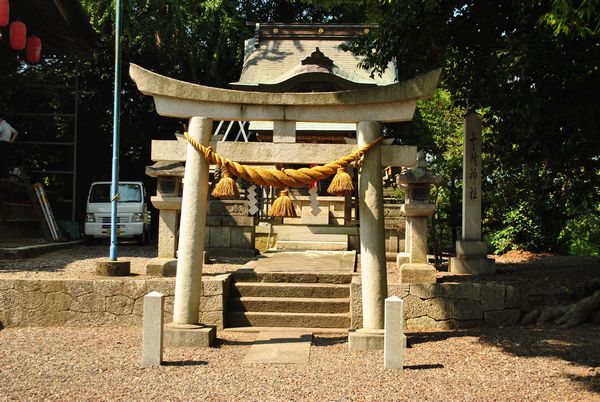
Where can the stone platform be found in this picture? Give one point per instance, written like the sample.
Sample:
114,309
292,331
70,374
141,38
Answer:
304,261
326,279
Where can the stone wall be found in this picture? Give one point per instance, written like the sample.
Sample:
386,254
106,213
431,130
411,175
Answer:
119,301
98,302
449,305
230,231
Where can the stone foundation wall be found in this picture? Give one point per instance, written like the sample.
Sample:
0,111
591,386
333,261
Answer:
449,305
99,302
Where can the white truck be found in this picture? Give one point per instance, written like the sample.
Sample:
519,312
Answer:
133,217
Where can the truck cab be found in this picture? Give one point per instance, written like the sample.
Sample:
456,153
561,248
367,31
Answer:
133,217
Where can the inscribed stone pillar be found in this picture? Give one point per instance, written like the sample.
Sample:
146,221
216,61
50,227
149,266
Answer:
471,251
188,280
471,197
372,232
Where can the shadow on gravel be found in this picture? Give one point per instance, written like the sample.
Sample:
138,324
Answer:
319,340
591,382
416,338
223,342
424,366
185,363
579,346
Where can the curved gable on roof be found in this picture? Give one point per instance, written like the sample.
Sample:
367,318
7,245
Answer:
276,55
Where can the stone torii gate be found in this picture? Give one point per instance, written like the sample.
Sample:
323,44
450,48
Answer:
366,107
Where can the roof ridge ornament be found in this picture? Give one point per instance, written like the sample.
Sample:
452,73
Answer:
319,59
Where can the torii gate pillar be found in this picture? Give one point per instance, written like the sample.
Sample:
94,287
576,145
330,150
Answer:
372,244
185,330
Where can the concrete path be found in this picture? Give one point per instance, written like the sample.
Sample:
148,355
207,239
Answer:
285,347
305,261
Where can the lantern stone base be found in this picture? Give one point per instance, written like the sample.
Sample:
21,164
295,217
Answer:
189,335
473,266
361,340
402,258
162,267
417,273
113,268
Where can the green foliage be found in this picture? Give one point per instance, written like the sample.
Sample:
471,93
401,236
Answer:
398,195
520,230
573,18
538,90
197,41
530,68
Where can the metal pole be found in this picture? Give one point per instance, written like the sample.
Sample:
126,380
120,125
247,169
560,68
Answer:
116,128
75,134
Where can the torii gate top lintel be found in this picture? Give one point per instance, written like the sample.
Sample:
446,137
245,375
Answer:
389,103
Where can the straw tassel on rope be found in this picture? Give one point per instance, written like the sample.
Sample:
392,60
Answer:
226,187
283,206
341,183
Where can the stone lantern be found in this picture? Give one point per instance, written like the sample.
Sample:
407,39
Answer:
417,181
167,200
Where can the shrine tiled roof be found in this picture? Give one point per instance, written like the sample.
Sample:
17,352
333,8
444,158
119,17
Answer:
284,56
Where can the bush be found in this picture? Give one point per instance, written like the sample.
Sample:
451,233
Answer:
521,231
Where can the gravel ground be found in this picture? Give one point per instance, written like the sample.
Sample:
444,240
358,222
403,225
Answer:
505,364
78,262
540,271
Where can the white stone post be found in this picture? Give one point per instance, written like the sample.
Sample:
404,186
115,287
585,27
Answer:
154,303
188,280
471,251
394,338
372,231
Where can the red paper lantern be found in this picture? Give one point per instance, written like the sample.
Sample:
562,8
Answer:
33,49
18,35
4,13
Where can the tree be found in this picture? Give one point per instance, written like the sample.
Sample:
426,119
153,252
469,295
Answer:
193,41
541,93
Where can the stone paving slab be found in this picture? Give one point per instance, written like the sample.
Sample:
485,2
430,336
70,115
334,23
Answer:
31,250
305,261
284,347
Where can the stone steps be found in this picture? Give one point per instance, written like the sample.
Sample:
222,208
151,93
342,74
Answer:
311,245
278,289
290,304
312,237
311,241
307,229
289,299
250,275
276,319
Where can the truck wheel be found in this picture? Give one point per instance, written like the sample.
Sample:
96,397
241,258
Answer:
89,240
142,239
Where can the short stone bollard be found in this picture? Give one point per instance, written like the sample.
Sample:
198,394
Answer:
394,338
153,328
